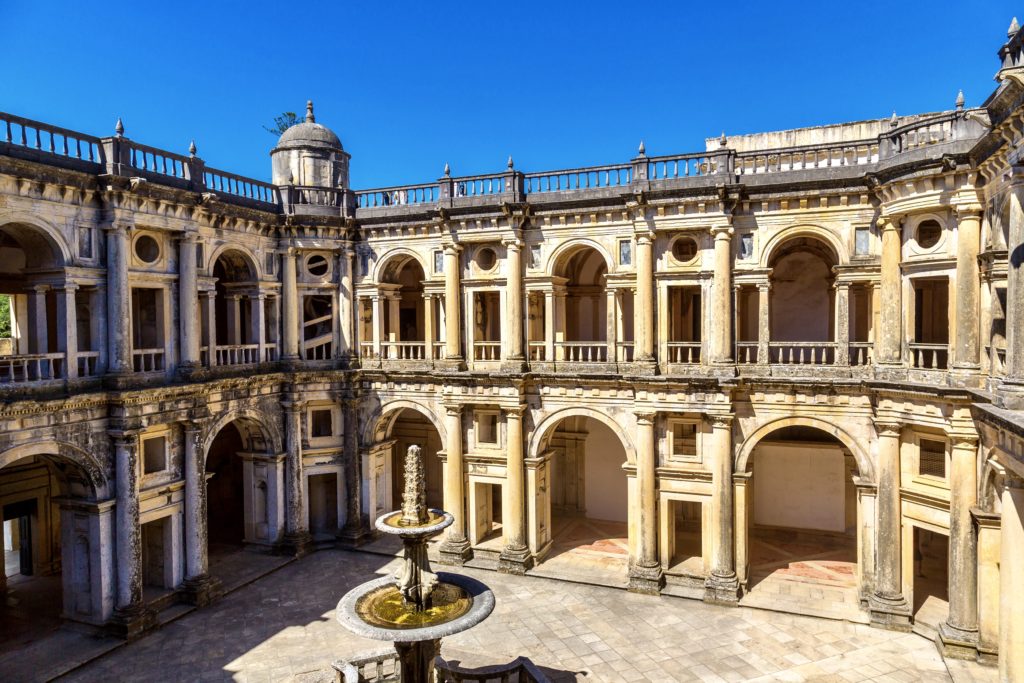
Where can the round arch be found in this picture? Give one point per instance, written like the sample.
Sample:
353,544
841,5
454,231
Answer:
255,418
551,421
60,450
49,232
864,465
812,231
383,418
399,253
250,261
566,249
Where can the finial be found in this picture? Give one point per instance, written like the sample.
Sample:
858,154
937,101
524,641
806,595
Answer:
447,170
643,150
1014,27
119,127
960,100
309,112
510,165
722,141
893,121
192,148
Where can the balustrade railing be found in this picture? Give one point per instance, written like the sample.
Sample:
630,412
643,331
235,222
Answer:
537,350
581,352
318,351
299,195
366,350
38,367
929,356
802,353
88,363
801,158
239,186
624,351
685,166
148,360
923,133
152,160
862,353
687,353
478,186
437,349
578,179
403,350
238,354
398,196
746,352
487,350
48,139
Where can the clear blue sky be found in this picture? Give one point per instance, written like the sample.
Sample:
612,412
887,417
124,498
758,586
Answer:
410,86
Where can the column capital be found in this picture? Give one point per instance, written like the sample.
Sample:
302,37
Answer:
119,225
764,286
453,409
127,438
962,440
68,287
721,232
292,406
645,417
644,237
842,284
515,412
966,211
893,222
188,237
451,248
513,244
39,289
886,427
719,421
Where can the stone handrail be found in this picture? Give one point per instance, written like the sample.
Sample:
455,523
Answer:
616,175
36,367
152,161
487,350
855,153
427,193
929,356
684,352
687,165
50,140
239,186
802,353
582,352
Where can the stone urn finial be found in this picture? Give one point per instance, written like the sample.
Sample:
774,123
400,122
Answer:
893,121
309,112
1014,27
960,100
192,148
447,170
119,128
642,151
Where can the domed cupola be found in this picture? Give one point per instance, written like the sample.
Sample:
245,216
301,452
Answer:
310,154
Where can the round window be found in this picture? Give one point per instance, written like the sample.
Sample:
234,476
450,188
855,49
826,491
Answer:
317,265
147,249
928,234
684,249
486,258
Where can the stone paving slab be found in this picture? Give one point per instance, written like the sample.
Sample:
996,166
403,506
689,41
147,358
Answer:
282,628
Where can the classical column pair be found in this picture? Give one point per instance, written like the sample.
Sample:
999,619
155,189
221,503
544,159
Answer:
722,584
455,547
297,537
131,616
645,573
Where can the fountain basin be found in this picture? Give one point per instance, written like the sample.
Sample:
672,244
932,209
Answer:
370,611
437,521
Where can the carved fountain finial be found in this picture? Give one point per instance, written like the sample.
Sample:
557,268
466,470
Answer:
414,497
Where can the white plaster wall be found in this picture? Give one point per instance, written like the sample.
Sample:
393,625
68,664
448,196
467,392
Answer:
802,486
604,479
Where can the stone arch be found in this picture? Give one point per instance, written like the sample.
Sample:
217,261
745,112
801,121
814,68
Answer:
384,416
548,423
864,464
251,262
811,231
53,237
61,451
255,424
400,254
563,251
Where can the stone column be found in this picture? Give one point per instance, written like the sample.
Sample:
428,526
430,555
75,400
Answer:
644,570
394,299
959,633
428,326
764,329
1011,579
346,300
514,294
67,320
119,339
452,304
842,323
966,353
234,321
889,340
211,327
889,608
290,352
188,300
297,537
377,311
455,547
612,327
39,332
258,317
357,526
1014,372
515,557
644,304
722,585
549,326
721,297
131,615
200,587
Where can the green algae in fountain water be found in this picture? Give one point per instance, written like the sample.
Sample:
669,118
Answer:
385,607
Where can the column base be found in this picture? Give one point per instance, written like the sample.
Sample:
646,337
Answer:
957,643
968,376
722,369
202,590
722,589
645,578
1011,395
890,612
187,370
514,365
131,622
515,560
643,366
450,364
298,543
117,380
455,552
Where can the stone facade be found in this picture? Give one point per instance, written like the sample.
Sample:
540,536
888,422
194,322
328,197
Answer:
860,284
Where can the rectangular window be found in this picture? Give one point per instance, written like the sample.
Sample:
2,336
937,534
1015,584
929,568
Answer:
364,263
487,428
535,256
684,439
199,257
438,262
862,242
321,423
85,243
154,455
625,252
746,246
270,264
931,459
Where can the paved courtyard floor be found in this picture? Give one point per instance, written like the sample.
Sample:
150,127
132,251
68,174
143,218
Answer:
282,628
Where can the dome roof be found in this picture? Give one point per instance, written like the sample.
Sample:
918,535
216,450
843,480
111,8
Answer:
309,134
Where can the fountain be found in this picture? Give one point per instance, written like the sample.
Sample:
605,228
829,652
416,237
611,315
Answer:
417,607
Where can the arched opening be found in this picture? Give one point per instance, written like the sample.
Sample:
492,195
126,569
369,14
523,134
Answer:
581,306
802,520
40,311
244,499
240,314
802,300
402,327
51,544
587,499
